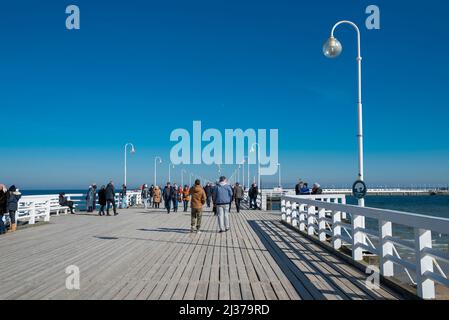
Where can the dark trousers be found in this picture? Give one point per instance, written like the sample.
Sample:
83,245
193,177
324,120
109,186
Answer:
102,209
167,205
109,202
253,203
69,204
12,216
208,201
175,205
186,205
237,204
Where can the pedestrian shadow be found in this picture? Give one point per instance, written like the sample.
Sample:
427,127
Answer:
168,230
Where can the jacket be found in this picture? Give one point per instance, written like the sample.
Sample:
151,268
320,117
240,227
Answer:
157,195
222,193
13,200
238,192
186,194
110,192
253,192
169,193
3,202
208,189
102,197
145,193
198,197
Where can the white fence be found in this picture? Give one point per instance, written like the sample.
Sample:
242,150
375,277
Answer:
40,207
329,219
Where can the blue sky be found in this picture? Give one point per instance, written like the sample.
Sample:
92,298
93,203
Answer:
137,70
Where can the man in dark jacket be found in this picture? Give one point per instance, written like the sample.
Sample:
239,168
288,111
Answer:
298,187
208,189
102,200
238,195
168,194
253,193
110,198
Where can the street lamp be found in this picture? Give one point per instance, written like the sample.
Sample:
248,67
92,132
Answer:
170,165
190,179
258,161
132,151
182,177
279,169
155,169
332,49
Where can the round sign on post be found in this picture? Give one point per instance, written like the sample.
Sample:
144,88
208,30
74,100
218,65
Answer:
359,189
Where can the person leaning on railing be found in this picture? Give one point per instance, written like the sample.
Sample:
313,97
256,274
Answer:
13,205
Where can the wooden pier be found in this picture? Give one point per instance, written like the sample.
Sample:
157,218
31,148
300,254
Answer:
148,254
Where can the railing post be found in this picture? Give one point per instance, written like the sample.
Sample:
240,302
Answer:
386,248
302,217
32,213
424,263
47,211
310,220
343,214
336,230
283,214
294,214
357,237
288,208
322,224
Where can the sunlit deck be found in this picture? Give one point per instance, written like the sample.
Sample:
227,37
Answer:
147,254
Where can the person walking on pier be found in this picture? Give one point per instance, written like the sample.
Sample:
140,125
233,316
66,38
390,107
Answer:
222,196
102,200
167,195
90,199
123,198
13,205
3,207
156,197
252,194
208,190
175,198
145,196
198,201
238,196
110,198
186,197
305,189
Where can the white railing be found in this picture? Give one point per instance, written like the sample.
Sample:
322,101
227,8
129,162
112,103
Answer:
324,218
33,209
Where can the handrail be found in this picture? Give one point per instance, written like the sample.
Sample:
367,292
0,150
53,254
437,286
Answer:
322,218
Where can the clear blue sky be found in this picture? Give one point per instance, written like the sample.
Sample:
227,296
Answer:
137,70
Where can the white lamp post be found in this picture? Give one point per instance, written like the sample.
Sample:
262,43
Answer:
170,165
258,162
190,179
332,49
182,177
279,169
155,169
132,151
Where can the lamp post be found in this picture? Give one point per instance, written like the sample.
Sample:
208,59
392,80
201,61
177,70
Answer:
332,49
170,165
190,179
132,151
247,163
279,169
182,177
258,161
155,169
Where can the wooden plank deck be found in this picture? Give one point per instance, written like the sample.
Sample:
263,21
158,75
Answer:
147,254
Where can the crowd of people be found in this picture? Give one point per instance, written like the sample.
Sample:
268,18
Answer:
219,196
9,201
